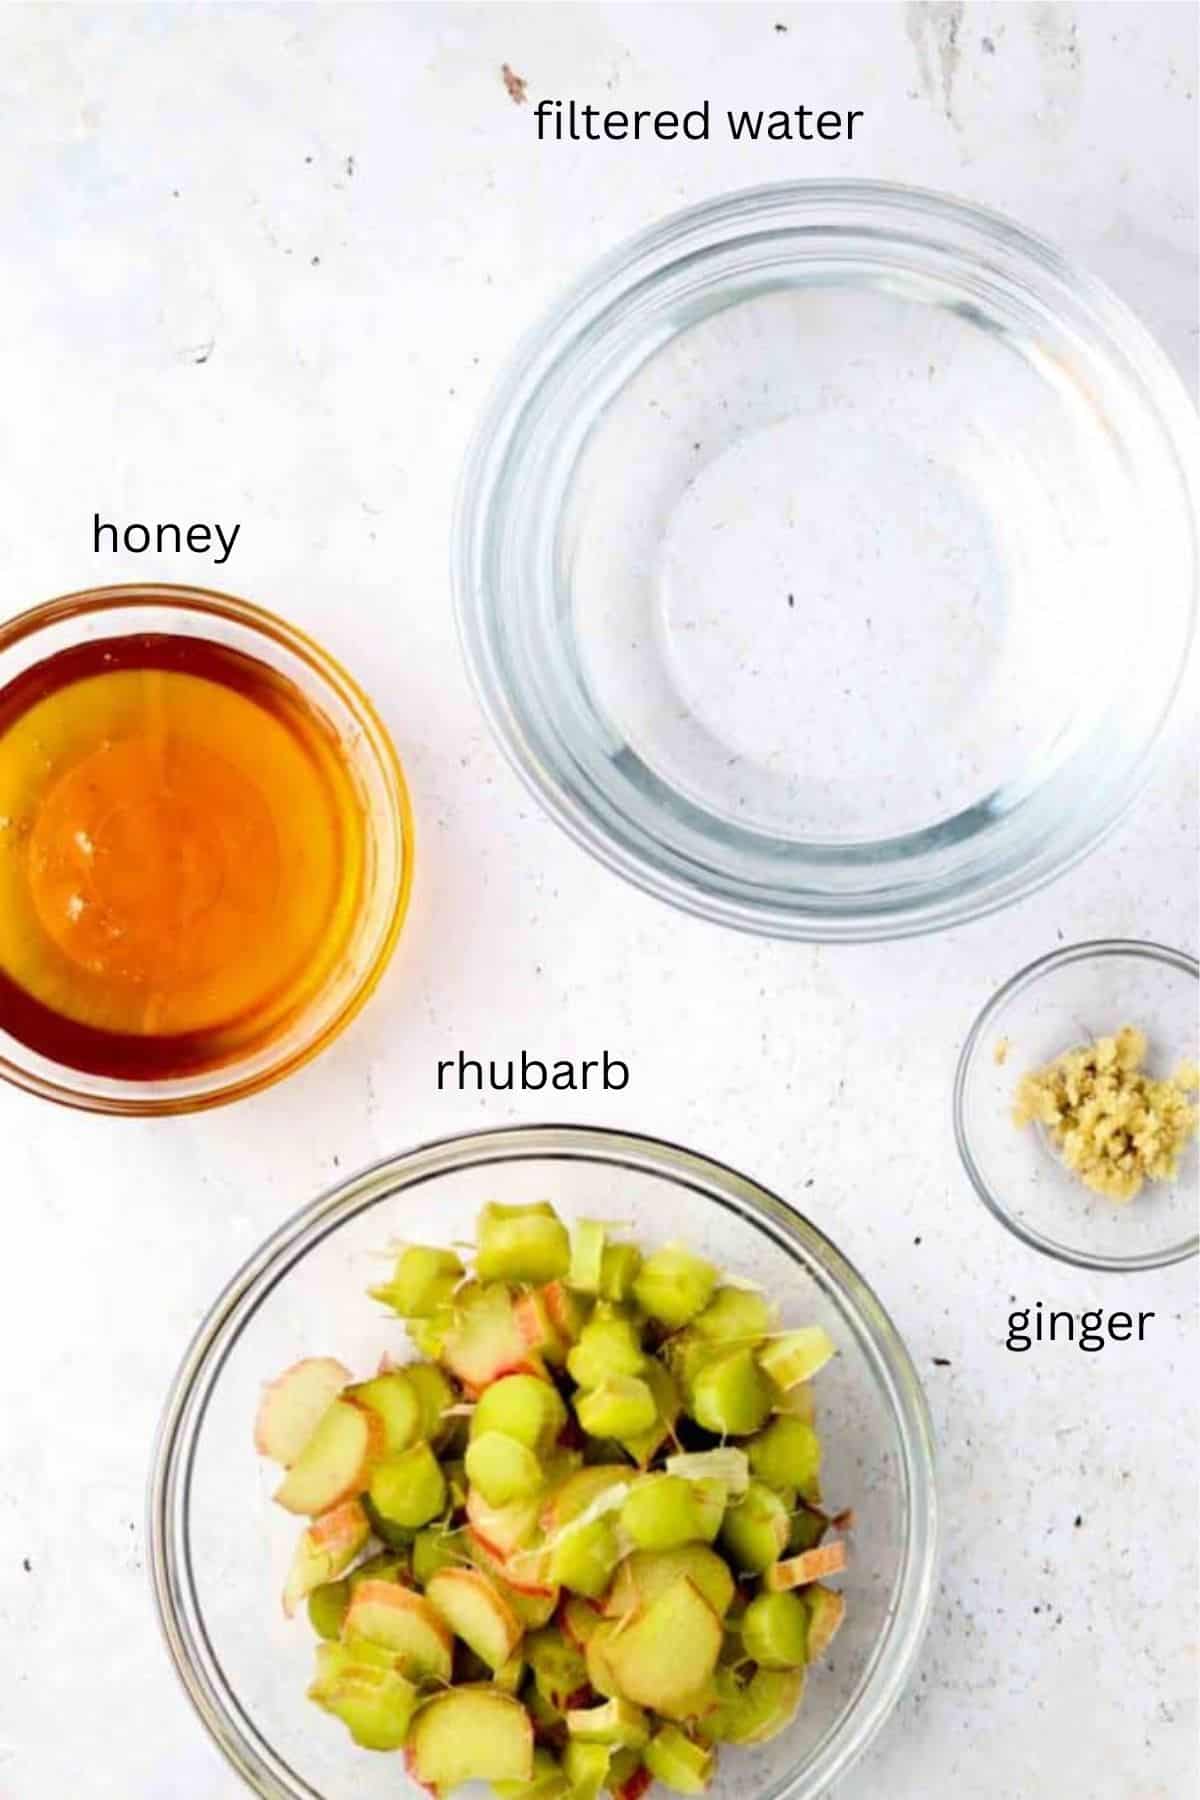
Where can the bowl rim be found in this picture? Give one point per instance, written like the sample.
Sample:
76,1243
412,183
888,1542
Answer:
179,1614
134,1099
547,343
1093,949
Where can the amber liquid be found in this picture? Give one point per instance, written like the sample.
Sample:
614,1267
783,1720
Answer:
182,856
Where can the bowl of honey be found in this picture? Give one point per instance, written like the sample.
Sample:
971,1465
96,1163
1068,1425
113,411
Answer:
205,849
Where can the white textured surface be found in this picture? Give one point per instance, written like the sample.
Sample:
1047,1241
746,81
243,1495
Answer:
205,314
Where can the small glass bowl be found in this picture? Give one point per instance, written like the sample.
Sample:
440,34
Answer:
219,1548
797,556
1065,999
155,607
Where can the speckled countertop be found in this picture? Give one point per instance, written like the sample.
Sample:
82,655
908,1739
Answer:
261,265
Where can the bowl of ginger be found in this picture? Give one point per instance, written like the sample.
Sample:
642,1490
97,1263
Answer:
1075,1105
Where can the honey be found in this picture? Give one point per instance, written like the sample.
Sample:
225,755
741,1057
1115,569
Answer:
183,852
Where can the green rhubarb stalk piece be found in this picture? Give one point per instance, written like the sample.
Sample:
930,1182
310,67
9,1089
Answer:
754,1532
787,1454
672,1286
423,1281
609,1344
619,1268
679,1762
615,1723
521,1243
620,1407
587,1255
775,1631
735,1316
728,1394
471,1734
408,1490
796,1356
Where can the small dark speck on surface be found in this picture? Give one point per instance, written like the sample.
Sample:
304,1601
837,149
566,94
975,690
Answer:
809,1182
337,1161
1078,1520
350,165
174,193
27,1565
791,599
780,27
515,86
200,353
308,159
987,46
916,1240
941,1362
315,262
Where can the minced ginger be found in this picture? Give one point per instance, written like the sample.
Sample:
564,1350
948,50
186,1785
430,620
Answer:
1113,1124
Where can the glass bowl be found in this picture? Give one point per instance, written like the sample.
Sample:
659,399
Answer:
219,1549
1069,998
797,555
362,742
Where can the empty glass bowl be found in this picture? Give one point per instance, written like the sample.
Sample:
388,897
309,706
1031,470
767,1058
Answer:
220,1548
826,560
1068,998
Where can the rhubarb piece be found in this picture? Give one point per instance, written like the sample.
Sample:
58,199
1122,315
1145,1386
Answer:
584,1556
546,1783
587,1256
538,1329
811,1565
826,1610
522,1407
586,1768
393,1399
643,1446
521,1243
619,1268
580,1491
672,1286
765,1707
477,1613
485,1341
509,1676
471,1734
728,1395
534,1610
503,1529
796,1356
432,1549
407,1624
408,1490
423,1281
502,1469
728,1465
797,1403
600,1672
619,1407
335,1464
754,1533
669,1651
615,1723
775,1631
568,1312
734,1316
665,1511
609,1345
678,1761
326,1548
435,1397
293,1405
787,1454
809,1525
430,1336
375,1704
526,1571
327,1608
558,1668
646,1574
579,1619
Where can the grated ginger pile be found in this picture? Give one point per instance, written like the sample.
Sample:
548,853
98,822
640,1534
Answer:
1113,1124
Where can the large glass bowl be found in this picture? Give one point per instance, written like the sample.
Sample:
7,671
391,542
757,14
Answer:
362,741
826,560
219,1547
